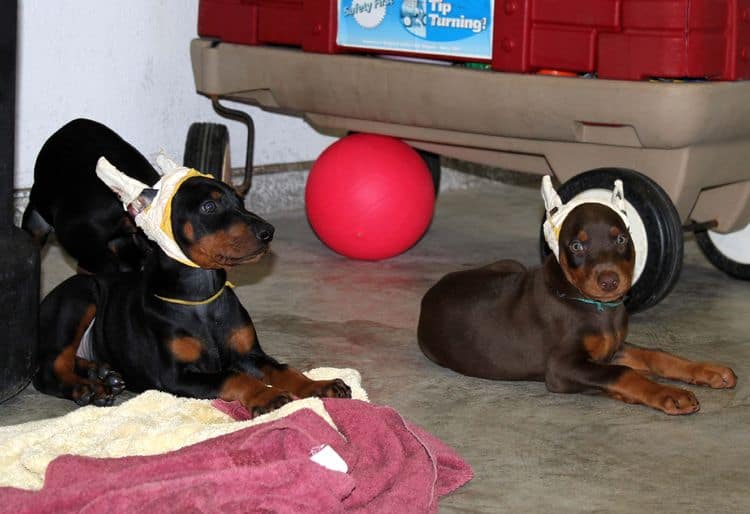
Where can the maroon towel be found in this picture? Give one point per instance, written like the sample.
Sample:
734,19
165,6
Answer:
394,466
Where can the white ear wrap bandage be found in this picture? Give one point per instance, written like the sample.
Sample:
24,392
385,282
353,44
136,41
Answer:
124,186
166,164
155,219
556,212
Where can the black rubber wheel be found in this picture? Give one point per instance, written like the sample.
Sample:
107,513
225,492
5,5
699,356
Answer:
661,222
432,160
731,267
207,148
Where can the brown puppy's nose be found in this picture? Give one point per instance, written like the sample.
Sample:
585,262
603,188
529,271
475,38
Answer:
608,281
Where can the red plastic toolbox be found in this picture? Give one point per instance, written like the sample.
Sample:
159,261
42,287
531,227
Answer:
618,39
310,24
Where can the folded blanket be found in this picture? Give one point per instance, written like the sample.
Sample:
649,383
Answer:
393,466
151,423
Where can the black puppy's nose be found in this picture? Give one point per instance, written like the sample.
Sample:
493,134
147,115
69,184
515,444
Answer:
265,233
608,281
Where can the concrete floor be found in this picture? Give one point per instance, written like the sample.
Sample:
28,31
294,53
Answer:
532,451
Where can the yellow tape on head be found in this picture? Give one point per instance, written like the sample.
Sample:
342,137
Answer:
166,221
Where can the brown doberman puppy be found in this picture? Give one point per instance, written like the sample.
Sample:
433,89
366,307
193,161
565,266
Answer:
563,324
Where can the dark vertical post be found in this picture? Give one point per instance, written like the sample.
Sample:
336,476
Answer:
8,31
19,257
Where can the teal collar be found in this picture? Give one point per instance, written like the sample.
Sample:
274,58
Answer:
600,306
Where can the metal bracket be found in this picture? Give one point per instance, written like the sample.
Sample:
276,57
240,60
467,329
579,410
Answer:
247,120
700,227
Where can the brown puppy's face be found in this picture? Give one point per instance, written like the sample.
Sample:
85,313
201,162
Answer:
213,228
596,253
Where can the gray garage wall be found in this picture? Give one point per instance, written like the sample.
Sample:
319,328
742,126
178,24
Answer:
127,64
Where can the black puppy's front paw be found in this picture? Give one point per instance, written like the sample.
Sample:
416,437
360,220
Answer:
101,388
109,378
335,388
271,400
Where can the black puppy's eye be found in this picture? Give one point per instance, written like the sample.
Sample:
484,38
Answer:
208,207
621,240
576,246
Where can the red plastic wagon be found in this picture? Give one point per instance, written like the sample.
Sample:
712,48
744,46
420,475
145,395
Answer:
650,91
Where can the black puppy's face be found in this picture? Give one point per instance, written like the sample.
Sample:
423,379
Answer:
596,253
213,228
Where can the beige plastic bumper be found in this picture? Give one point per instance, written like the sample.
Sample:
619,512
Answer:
691,138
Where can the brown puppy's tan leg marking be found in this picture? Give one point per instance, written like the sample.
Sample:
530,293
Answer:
600,347
303,387
670,366
632,387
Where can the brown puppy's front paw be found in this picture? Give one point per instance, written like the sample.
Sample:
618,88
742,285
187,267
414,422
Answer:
335,388
675,401
269,400
714,375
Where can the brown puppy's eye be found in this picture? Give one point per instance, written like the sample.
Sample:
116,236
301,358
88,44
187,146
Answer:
576,246
621,240
208,207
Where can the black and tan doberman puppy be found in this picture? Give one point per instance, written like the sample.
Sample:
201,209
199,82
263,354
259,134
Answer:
88,220
563,324
176,326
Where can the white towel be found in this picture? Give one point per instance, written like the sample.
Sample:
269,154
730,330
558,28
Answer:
151,423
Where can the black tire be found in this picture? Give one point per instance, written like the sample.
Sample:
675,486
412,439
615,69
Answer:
432,160
722,262
662,224
206,148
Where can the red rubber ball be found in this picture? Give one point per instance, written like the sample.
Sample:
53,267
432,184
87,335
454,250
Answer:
369,197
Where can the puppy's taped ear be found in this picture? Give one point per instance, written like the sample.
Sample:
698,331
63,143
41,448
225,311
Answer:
618,198
553,206
552,200
125,187
166,164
